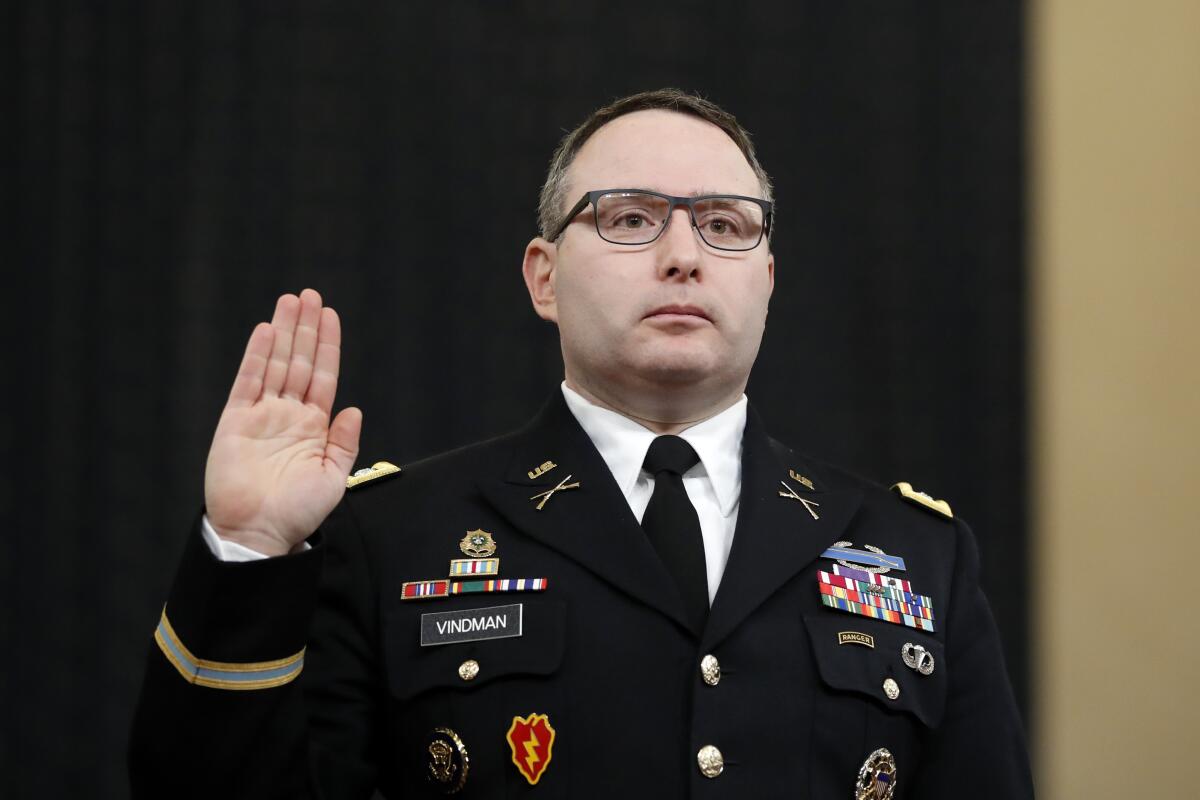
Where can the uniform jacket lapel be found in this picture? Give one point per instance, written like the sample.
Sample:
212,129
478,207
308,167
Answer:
593,524
776,537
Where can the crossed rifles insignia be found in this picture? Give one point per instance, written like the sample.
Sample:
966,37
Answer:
546,495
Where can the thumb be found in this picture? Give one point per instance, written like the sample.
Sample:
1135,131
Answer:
342,445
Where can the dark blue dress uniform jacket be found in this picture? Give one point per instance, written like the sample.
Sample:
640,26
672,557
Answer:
606,651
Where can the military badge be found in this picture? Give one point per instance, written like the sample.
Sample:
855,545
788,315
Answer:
377,470
871,559
877,778
802,480
477,544
878,602
546,495
541,470
809,505
905,490
917,658
474,566
531,739
446,760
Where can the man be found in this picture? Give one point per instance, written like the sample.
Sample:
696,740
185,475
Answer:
639,594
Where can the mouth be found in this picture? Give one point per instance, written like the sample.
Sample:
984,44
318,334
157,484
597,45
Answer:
676,312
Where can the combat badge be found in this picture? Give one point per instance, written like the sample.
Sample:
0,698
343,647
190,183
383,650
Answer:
877,778
446,760
531,739
478,544
872,559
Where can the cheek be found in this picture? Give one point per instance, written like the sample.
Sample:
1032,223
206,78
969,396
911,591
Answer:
594,298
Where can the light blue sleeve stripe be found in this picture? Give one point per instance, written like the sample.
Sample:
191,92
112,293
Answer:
227,675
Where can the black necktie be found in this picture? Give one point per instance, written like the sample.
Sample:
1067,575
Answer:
671,524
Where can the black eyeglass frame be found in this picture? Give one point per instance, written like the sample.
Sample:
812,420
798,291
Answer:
689,203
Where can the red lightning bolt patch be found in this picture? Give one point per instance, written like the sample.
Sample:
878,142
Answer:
532,740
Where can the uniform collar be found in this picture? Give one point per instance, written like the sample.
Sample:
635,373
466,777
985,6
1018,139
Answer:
623,443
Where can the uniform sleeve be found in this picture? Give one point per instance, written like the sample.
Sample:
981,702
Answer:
233,702
980,748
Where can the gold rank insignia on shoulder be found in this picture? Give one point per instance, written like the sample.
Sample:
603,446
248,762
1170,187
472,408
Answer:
377,470
905,490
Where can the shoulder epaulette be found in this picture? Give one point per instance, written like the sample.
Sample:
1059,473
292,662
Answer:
905,490
377,470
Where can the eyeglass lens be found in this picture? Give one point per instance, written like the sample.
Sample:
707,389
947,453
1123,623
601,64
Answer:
638,218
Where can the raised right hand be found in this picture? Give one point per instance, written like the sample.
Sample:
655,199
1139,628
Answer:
277,466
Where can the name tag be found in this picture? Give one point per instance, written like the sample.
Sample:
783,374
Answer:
471,624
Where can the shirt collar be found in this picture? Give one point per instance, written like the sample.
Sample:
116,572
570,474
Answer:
623,443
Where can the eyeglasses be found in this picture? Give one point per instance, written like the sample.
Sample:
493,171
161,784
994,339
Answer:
638,216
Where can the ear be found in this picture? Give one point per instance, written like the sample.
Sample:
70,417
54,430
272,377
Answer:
539,269
771,272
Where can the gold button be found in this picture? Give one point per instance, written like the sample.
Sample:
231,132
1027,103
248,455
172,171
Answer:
891,689
710,670
468,669
711,762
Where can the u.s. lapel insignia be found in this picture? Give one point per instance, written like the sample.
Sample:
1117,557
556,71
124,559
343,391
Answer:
541,470
546,495
877,777
802,480
477,544
531,739
446,760
790,493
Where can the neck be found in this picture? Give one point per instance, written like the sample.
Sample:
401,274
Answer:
665,411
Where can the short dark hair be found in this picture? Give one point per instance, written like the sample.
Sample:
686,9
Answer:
552,202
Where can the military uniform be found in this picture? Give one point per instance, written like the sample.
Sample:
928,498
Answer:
606,691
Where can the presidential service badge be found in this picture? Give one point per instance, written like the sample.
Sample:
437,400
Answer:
877,778
531,739
446,760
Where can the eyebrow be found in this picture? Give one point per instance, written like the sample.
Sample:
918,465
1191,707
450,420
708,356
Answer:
694,193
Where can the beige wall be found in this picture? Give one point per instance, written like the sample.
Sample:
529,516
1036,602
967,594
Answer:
1115,225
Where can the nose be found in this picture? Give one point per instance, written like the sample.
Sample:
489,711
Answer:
678,253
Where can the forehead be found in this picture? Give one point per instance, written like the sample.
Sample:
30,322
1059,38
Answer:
665,151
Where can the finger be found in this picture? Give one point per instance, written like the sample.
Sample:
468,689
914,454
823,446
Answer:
342,448
287,310
248,384
304,346
323,386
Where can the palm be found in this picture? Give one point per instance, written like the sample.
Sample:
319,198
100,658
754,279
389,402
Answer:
278,466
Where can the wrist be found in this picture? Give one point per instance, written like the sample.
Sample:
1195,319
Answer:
261,542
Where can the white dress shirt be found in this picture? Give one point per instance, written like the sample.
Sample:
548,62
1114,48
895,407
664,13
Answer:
714,485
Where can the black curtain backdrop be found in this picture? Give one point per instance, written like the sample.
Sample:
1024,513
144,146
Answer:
180,164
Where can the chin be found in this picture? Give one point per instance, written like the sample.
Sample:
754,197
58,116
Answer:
678,367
